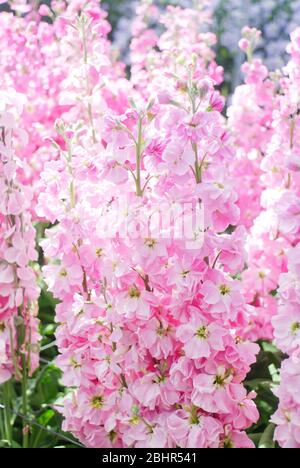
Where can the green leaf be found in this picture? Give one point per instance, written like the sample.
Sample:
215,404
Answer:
47,387
255,438
4,443
15,444
49,329
46,417
256,383
266,441
269,347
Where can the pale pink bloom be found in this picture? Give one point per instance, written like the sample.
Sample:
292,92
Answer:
146,390
62,279
222,295
245,410
237,439
157,336
194,430
135,303
212,393
5,358
200,338
20,252
287,327
178,157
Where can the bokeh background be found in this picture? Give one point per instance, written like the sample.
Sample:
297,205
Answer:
275,18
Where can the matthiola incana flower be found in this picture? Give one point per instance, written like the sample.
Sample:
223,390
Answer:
18,282
141,256
271,281
170,226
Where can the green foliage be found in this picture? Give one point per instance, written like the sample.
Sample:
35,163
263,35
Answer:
264,376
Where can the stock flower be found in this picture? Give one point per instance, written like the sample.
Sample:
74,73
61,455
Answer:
190,428
200,338
134,303
157,336
178,157
212,393
149,324
221,294
18,279
61,279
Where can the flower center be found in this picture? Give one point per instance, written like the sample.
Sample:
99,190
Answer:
99,252
113,436
134,292
151,243
228,443
63,273
194,417
295,327
2,327
224,289
161,331
184,273
202,333
74,363
97,402
135,420
220,379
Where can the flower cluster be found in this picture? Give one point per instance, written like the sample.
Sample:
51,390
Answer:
151,314
173,231
184,34
31,64
287,321
271,159
18,282
269,190
287,338
251,118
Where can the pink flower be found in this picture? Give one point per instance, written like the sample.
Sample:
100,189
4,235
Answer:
221,295
192,429
216,102
62,279
287,327
147,391
237,439
178,157
200,338
212,393
135,303
20,252
156,336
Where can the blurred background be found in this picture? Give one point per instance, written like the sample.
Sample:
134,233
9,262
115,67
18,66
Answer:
276,19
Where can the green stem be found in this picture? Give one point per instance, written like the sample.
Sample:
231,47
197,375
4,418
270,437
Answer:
7,414
2,427
250,54
198,167
90,112
25,403
138,179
